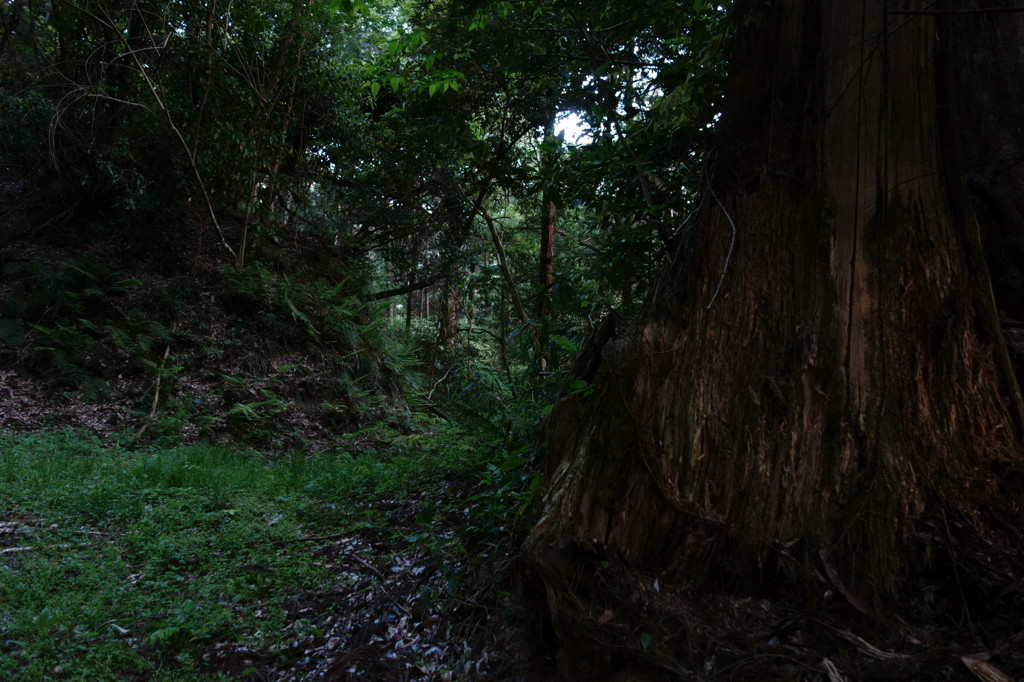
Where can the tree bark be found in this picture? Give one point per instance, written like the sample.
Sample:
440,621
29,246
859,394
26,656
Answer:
546,271
549,214
546,277
448,317
817,405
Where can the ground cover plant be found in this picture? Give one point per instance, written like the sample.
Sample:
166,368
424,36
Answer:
205,562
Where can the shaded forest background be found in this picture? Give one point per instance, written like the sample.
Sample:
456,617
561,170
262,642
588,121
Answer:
362,239
285,222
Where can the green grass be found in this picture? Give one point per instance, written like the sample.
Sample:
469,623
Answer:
134,562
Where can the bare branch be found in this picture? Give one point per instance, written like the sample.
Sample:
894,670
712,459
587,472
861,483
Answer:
154,90
406,289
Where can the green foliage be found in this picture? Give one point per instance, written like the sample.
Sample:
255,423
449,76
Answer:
160,553
254,412
290,310
12,334
147,549
365,369
61,318
297,146
24,118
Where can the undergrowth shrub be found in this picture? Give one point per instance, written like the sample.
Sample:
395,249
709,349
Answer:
77,321
363,371
204,358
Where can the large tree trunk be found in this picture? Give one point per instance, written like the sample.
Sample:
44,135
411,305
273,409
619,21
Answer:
818,404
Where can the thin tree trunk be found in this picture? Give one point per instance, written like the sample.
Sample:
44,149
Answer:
506,273
549,212
448,317
408,314
546,279
546,261
547,253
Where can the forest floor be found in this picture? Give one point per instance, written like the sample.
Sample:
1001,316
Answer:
394,562
202,563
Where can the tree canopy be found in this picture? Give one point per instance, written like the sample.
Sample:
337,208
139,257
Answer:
331,163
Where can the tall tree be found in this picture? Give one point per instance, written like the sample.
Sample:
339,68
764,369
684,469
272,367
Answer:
817,404
548,218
